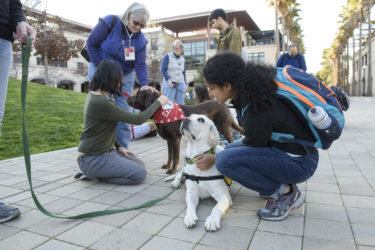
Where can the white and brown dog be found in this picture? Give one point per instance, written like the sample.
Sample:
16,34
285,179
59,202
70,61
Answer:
202,137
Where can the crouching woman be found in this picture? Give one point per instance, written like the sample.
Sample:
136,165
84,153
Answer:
269,167
97,156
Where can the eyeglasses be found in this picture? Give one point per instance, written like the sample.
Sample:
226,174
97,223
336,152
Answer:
141,25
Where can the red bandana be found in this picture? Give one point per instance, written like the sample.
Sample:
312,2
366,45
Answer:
163,116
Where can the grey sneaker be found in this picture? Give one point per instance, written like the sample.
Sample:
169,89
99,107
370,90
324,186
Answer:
279,209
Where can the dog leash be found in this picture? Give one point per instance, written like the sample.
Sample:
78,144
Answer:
26,48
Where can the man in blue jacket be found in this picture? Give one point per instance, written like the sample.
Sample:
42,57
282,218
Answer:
13,25
292,58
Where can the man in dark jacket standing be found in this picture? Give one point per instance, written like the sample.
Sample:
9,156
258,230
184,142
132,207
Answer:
230,36
292,58
13,25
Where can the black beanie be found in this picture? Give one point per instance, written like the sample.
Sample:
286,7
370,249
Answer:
216,13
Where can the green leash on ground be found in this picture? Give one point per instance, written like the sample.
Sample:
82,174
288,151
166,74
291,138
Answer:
25,68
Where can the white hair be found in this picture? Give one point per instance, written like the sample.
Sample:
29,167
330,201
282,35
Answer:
177,43
136,11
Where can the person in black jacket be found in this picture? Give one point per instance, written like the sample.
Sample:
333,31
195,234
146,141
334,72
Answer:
13,25
269,167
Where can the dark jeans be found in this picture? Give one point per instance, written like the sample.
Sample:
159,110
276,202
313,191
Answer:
264,169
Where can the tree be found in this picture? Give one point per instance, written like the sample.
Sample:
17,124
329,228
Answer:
51,43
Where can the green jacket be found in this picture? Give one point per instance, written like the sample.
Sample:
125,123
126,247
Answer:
230,40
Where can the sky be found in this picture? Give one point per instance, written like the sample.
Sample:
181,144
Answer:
319,17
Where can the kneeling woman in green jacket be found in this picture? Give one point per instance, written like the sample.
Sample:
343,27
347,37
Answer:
97,156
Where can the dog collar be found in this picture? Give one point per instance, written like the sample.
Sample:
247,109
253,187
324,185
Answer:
211,151
163,116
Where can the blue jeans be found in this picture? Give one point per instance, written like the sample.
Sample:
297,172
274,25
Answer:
5,62
175,94
123,131
264,169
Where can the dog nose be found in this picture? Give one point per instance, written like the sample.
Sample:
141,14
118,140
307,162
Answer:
186,120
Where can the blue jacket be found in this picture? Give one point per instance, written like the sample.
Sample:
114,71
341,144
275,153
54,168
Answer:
298,61
101,45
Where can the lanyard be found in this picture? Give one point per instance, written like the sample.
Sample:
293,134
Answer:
130,37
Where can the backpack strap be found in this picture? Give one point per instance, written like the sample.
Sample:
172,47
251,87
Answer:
110,28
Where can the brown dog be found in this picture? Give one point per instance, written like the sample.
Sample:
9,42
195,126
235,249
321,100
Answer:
215,111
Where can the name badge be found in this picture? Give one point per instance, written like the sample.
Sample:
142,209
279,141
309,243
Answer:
129,54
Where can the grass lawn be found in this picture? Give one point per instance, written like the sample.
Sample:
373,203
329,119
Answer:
54,119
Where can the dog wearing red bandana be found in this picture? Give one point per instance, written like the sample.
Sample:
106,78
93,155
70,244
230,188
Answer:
170,131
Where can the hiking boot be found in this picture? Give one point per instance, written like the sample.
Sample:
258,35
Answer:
8,213
279,209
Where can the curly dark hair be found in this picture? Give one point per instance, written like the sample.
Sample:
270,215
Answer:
201,92
107,77
252,84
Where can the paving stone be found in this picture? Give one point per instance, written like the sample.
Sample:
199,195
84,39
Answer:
348,173
331,230
104,186
168,207
131,189
42,198
364,234
48,187
6,231
228,238
122,239
58,245
323,198
361,215
17,197
248,203
148,222
53,177
118,219
86,233
65,190
160,243
86,194
26,186
357,190
52,227
27,219
323,179
359,201
266,241
240,218
7,191
22,240
365,248
202,247
177,230
86,207
326,212
355,181
323,187
13,181
324,244
292,226
62,204
111,197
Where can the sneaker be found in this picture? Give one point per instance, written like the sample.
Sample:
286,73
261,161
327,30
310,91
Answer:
8,213
279,209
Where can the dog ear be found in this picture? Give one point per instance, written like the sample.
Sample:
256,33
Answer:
214,138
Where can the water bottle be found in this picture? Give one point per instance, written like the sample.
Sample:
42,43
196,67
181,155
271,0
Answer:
319,117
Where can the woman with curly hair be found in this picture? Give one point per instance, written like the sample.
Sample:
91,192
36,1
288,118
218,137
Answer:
269,167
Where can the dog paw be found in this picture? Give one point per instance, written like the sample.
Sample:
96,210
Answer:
212,224
164,166
190,220
171,171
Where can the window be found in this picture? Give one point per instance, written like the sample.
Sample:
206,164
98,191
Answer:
52,62
195,53
256,57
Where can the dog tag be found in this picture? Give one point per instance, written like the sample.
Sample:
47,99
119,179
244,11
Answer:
129,54
168,105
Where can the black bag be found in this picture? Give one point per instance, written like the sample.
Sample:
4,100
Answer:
84,52
342,97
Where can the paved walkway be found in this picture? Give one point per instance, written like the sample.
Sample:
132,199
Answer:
339,212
